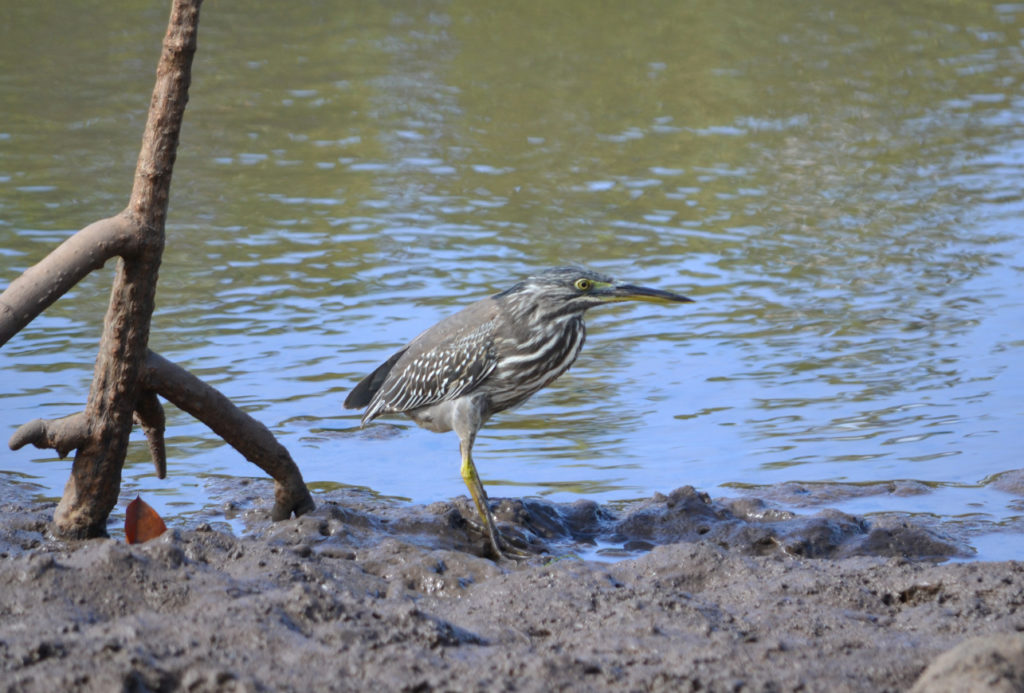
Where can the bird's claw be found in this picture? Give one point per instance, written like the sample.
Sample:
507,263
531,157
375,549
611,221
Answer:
511,551
501,545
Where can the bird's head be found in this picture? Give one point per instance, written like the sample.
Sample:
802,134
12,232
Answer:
564,290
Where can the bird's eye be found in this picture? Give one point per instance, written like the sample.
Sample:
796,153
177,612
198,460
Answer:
584,284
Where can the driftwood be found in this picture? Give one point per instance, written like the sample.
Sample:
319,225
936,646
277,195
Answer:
128,377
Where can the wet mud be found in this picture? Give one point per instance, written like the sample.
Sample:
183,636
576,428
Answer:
735,594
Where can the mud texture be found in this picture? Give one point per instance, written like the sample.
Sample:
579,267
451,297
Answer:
366,595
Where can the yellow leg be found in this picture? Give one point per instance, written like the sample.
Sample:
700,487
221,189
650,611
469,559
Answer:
476,490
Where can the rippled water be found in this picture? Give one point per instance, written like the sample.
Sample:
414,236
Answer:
839,187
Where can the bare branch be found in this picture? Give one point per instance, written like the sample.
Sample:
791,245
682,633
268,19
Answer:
151,189
127,377
42,284
63,435
149,414
238,429
92,490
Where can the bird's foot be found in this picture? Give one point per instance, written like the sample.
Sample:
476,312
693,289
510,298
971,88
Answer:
507,550
502,546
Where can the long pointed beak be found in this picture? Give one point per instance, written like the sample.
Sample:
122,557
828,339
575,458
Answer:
629,292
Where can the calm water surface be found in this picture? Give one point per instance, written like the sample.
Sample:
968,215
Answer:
838,185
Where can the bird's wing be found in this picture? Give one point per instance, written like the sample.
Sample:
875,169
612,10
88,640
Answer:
368,387
445,362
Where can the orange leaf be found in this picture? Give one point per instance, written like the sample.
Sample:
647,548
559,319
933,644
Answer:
141,523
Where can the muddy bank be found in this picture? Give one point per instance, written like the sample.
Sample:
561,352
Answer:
361,595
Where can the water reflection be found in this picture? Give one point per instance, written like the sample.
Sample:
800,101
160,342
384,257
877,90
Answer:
837,185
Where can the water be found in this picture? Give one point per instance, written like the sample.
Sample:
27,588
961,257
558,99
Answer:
837,185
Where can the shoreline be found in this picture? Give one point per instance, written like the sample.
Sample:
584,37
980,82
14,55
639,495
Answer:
358,593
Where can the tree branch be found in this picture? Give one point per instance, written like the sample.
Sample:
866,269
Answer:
92,490
63,435
151,189
149,414
127,377
42,284
238,429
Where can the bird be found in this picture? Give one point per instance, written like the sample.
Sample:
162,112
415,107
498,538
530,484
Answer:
490,356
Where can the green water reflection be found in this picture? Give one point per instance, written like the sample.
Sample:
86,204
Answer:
837,184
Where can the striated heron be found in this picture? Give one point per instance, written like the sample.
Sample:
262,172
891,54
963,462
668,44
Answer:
490,356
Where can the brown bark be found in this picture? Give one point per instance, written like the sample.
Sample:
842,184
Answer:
91,492
238,429
193,396
120,387
42,284
149,414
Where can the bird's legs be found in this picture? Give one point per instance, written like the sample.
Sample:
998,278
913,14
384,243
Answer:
476,490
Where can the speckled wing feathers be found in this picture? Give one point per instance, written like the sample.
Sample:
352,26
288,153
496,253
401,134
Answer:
444,362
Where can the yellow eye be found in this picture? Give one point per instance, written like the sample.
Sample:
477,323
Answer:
584,284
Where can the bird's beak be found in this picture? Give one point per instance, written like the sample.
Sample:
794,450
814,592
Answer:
629,292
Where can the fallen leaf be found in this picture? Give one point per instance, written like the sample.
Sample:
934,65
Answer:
141,522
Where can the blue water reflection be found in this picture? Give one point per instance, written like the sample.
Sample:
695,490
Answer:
838,187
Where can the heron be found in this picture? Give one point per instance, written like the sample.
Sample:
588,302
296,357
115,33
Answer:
491,356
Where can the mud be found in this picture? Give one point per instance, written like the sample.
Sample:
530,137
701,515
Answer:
723,595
